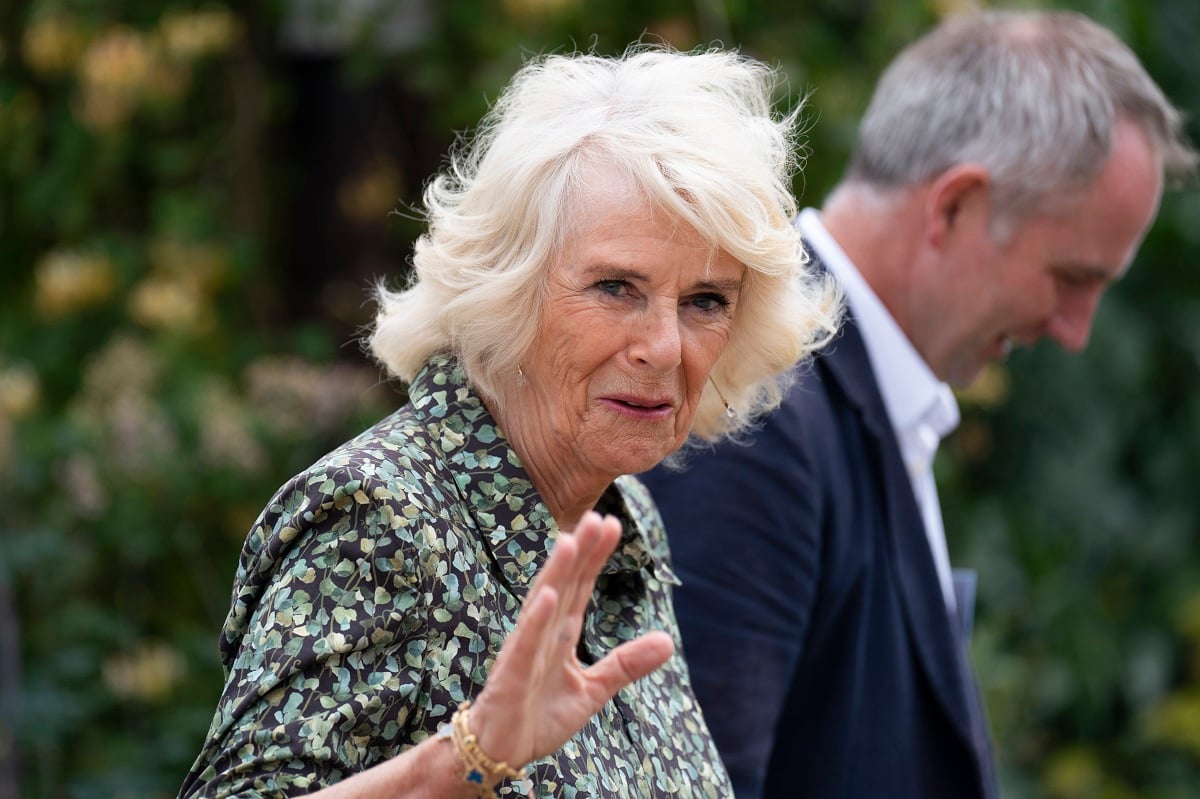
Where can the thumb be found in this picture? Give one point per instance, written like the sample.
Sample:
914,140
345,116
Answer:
632,661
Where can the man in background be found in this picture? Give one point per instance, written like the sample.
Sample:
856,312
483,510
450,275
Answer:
1007,169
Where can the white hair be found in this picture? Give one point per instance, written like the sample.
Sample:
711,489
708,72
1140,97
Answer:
694,133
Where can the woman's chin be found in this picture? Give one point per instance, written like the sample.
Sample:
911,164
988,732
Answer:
635,461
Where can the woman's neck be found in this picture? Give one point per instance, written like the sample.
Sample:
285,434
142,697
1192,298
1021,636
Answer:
562,481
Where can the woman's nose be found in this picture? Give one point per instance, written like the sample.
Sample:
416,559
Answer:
655,341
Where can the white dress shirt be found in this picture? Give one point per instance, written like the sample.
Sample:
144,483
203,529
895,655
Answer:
922,409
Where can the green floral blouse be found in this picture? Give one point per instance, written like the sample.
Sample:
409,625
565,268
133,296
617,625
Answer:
376,589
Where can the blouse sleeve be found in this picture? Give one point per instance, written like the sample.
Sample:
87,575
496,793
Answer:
325,643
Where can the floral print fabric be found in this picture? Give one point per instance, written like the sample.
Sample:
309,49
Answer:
376,589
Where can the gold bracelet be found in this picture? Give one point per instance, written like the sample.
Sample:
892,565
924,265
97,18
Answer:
479,770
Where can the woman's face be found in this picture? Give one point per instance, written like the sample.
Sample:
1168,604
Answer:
636,313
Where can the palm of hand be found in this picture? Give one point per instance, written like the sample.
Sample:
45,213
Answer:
538,694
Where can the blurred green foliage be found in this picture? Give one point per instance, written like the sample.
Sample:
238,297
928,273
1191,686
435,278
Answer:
194,199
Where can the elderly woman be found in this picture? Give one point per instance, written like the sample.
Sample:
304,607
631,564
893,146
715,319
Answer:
608,268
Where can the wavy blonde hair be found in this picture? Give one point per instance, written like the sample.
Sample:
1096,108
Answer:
695,134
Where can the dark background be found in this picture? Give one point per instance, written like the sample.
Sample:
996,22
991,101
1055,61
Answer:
195,198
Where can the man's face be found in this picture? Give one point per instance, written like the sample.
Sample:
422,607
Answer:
1046,279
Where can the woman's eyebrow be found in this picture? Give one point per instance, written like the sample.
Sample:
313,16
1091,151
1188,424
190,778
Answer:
731,285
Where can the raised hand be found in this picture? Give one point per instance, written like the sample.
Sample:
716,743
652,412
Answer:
538,694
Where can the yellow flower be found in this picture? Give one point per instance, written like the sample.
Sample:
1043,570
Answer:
67,281
51,44
115,72
1175,721
1073,772
19,391
168,303
176,296
148,673
189,36
120,61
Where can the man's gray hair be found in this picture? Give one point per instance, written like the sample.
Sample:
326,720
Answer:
1031,96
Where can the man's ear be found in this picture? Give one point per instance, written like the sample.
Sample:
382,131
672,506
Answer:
957,201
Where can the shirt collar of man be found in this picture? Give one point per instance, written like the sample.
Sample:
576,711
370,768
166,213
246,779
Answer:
922,409
514,522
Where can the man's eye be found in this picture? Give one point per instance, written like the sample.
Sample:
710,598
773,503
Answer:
1076,281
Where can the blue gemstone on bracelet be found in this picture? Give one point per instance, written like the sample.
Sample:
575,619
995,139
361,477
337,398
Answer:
475,776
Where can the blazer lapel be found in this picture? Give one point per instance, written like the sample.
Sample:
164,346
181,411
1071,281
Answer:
939,647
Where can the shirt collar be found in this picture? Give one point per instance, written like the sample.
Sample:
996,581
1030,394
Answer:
496,491
915,399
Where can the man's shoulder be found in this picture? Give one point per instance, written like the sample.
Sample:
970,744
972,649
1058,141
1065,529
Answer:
812,400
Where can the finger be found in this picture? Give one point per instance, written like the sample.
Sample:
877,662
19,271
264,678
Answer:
561,564
589,534
567,574
515,680
561,572
538,620
532,635
607,536
631,661
586,536
596,538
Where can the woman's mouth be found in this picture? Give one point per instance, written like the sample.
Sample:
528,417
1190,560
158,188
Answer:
640,407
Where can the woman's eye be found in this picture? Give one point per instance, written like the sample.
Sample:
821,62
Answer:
710,302
614,288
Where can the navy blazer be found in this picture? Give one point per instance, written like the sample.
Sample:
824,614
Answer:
812,619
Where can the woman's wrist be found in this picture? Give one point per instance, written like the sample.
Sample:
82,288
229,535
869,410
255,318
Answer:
479,769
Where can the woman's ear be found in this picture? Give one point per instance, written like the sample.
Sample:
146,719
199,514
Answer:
957,202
